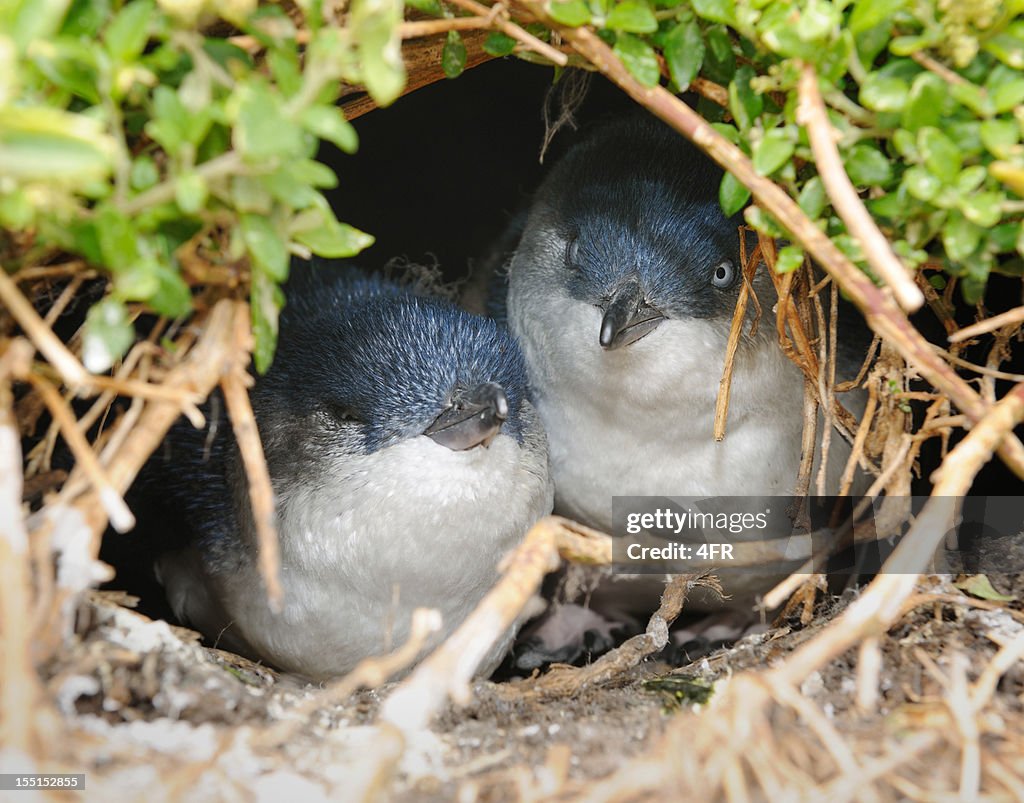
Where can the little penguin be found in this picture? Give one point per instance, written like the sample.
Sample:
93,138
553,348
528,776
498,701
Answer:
621,290
405,458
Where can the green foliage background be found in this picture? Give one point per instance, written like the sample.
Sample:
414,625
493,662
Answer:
130,128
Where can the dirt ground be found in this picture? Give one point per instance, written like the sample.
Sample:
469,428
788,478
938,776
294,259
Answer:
148,713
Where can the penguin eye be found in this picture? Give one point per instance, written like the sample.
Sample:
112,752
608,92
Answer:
572,253
724,276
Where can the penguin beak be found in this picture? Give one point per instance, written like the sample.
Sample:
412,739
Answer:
473,418
627,316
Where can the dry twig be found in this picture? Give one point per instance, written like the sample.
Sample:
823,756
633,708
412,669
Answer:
877,250
235,383
1009,318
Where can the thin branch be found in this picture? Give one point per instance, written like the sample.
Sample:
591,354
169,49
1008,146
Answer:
877,250
509,28
978,369
60,357
235,383
739,319
938,68
1008,318
418,28
121,517
226,164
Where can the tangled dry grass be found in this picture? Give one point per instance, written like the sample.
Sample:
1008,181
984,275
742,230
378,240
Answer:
909,689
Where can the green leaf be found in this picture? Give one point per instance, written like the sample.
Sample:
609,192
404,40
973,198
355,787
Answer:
723,11
265,302
1008,95
190,192
172,298
921,183
1008,46
167,125
86,17
137,282
117,239
970,179
68,65
266,246
906,145
334,240
251,194
638,57
983,209
26,22
16,210
813,199
960,237
881,93
773,151
744,103
732,194
633,16
431,7
328,122
289,189
867,166
314,174
980,586
719,60
453,55
869,13
107,336
789,259
42,144
925,101
684,53
817,20
143,174
262,132
942,157
763,222
284,67
973,97
374,26
572,12
499,44
999,136
128,32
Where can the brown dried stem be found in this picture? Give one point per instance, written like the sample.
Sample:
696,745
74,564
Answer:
121,517
566,681
1008,318
739,318
877,250
60,357
509,28
235,384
